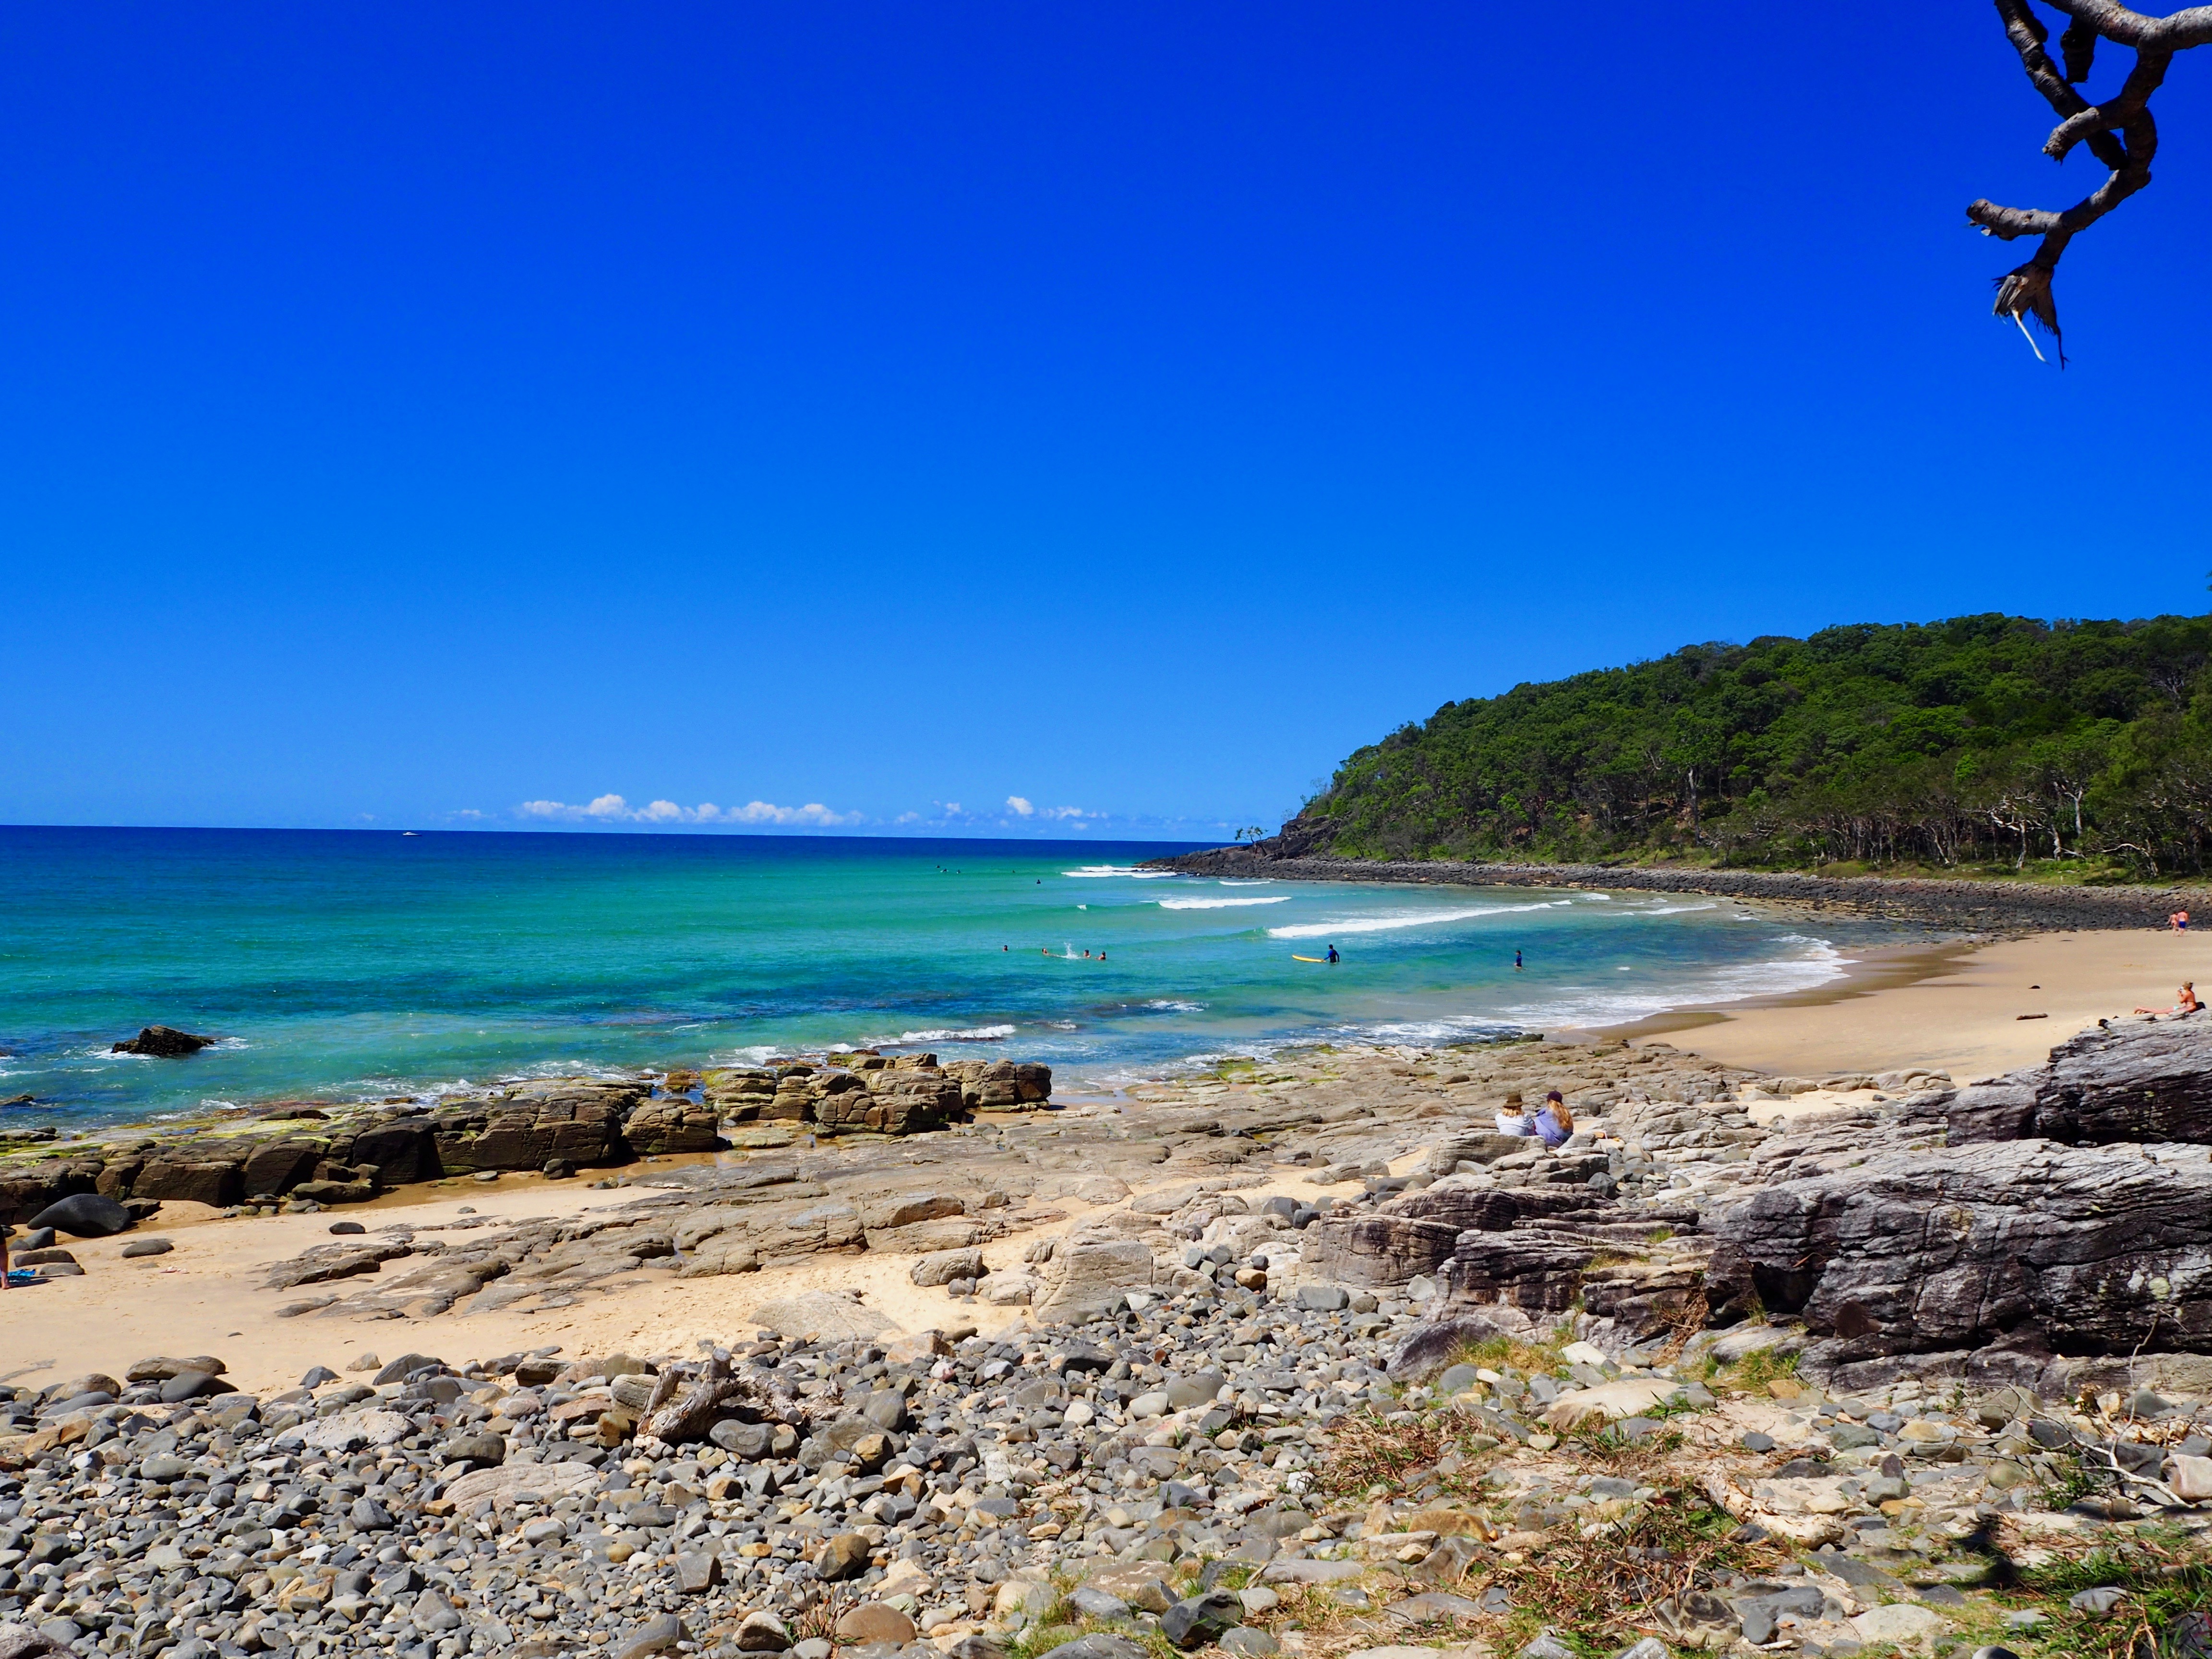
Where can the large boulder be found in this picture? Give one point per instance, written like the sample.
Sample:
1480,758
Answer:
2135,1080
1418,1232
1376,1249
577,1120
84,1215
672,1123
218,1182
163,1042
2025,1246
1087,1276
403,1150
277,1166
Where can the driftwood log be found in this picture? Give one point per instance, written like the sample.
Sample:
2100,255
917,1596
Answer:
688,1401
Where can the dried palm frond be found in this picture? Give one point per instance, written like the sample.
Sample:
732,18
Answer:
2026,292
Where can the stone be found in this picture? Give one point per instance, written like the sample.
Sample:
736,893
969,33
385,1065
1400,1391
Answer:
697,1571
1244,1639
220,1182
1322,1298
657,1635
1142,1584
1201,1619
191,1385
1090,1275
1378,1250
163,1043
1299,1570
820,1316
161,1368
489,1450
2191,1478
1547,1645
2098,1604
845,1556
1099,1644
761,1632
84,1215
510,1482
145,1246
872,1621
943,1267
1258,1598
1095,1603
350,1429
1901,1624
24,1642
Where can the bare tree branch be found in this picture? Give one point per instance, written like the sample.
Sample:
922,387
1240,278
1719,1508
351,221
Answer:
2119,131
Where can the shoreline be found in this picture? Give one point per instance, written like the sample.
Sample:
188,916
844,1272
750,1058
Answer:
1995,906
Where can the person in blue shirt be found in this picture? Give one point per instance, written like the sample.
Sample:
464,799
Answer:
1554,1122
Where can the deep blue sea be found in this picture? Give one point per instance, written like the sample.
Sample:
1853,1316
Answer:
344,964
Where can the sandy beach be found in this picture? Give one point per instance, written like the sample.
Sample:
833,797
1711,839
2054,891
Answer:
1958,1010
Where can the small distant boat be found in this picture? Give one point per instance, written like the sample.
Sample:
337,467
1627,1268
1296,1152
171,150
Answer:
409,832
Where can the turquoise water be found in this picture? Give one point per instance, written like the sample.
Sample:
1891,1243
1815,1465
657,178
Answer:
344,965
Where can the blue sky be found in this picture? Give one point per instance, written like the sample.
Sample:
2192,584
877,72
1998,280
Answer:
412,412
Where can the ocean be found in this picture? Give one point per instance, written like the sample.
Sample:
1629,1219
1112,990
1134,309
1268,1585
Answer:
348,965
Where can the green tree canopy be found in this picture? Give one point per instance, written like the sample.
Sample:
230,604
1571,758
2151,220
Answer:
1976,737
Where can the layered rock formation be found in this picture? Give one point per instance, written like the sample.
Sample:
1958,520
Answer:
337,1154
1996,1257
2134,1079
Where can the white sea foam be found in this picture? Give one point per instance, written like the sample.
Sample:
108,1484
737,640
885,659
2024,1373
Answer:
1668,909
1221,904
1232,881
751,1054
1577,1006
1101,870
973,1033
1389,920
1171,1005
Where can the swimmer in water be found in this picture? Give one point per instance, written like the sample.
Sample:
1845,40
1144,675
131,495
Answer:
1332,953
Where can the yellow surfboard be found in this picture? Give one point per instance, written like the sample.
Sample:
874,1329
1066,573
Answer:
1296,958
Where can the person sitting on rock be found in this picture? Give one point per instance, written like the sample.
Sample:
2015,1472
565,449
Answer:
2185,1003
1555,1123
1514,1118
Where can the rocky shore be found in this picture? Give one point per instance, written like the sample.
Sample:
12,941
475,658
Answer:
1302,1358
1973,906
309,1152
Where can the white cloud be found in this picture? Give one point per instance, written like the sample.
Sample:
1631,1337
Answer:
614,809
1022,807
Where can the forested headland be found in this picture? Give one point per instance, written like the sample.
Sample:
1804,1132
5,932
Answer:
2080,748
